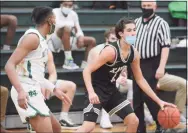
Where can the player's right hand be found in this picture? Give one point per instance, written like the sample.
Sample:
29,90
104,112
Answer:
162,104
93,98
23,99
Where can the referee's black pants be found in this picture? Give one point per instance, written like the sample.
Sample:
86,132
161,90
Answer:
149,68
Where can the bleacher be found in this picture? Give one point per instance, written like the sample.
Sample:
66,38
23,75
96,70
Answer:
93,23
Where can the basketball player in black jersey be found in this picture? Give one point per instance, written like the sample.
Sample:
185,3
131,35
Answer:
100,78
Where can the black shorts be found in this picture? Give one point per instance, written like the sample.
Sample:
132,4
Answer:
114,103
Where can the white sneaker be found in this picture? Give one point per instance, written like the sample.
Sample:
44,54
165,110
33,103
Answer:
84,64
183,119
69,64
105,120
6,47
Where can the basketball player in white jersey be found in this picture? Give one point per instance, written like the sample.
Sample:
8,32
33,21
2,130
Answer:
26,70
68,35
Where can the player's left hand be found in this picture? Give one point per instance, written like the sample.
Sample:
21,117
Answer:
159,73
162,104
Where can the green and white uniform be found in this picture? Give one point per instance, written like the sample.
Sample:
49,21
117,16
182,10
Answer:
30,72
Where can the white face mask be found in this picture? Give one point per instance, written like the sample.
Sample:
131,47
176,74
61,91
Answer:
65,10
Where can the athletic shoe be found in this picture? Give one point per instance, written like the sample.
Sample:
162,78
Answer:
105,120
30,129
6,47
66,123
183,119
160,130
70,65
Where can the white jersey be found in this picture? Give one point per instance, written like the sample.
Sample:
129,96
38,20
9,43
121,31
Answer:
33,65
70,21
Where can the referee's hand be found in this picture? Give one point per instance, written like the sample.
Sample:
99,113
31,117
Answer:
93,98
159,73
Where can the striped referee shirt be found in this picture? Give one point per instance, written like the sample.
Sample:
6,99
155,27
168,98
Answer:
152,36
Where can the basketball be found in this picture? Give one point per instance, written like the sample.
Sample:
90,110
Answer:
169,117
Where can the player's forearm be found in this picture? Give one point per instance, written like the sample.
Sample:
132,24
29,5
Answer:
52,77
87,80
147,89
79,31
13,76
164,57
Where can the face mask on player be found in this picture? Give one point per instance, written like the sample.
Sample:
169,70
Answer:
111,41
130,39
65,10
52,28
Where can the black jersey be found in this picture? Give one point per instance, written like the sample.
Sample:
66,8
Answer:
107,74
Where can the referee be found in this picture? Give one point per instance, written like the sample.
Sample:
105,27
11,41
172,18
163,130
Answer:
153,42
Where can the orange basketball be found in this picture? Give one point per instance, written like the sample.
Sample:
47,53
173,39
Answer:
169,117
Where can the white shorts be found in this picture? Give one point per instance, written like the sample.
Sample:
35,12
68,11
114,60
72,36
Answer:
36,103
55,44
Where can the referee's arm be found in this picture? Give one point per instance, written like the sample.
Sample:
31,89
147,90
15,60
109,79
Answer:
164,39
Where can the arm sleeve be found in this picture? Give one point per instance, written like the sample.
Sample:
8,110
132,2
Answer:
77,25
164,34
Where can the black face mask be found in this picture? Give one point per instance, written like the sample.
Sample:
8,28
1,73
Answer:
52,28
147,12
109,42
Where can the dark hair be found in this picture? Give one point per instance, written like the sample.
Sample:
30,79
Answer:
120,25
109,31
40,14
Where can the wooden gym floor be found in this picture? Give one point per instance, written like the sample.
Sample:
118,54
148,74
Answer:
116,128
